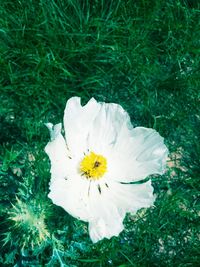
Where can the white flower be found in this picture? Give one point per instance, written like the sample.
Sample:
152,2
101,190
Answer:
92,167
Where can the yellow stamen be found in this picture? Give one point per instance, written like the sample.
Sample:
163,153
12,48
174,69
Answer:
93,166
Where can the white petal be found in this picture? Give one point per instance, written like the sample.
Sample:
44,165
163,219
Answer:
101,228
107,126
71,196
77,123
54,129
143,153
56,149
94,126
132,197
107,221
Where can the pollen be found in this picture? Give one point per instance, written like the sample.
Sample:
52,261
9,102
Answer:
93,166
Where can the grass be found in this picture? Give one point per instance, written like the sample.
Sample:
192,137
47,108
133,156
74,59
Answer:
143,55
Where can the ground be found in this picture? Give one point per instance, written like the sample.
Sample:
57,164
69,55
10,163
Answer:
143,55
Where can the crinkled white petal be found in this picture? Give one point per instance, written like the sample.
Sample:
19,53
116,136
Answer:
56,149
102,228
143,153
107,126
78,121
106,220
131,197
94,126
71,196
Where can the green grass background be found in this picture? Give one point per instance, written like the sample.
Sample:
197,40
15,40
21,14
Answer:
141,54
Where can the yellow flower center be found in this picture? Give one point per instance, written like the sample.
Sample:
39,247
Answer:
93,166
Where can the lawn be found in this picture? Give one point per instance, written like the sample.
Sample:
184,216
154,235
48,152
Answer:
143,55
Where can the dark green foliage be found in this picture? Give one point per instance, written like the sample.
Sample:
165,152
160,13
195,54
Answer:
143,55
